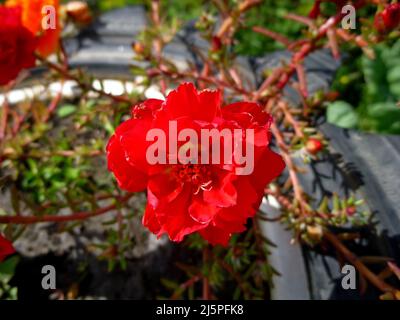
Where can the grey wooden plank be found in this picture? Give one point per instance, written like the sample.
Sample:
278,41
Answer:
377,157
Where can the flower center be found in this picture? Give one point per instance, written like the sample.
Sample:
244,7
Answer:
196,174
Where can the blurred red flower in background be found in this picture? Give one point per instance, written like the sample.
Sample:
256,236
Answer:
17,45
6,248
388,19
32,16
185,198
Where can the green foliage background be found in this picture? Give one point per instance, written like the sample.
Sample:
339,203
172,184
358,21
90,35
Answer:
370,89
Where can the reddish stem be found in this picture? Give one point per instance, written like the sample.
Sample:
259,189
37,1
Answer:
85,86
354,260
206,282
4,119
72,217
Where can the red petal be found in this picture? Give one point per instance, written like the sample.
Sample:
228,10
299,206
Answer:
261,136
147,109
268,167
48,42
132,134
210,105
252,108
150,220
231,226
163,122
128,177
215,235
29,43
6,248
162,184
201,211
10,16
222,194
248,203
20,43
175,219
232,220
185,101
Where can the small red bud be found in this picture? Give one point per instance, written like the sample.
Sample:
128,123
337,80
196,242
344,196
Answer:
216,44
314,146
351,210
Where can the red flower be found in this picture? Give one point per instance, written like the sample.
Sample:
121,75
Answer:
6,248
32,17
212,199
17,45
388,19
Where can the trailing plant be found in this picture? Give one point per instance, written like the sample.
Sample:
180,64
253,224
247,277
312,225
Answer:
51,149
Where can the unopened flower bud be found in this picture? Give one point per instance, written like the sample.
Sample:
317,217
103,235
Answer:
79,11
351,210
216,44
315,232
314,146
138,47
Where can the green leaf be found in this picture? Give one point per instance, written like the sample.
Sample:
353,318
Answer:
66,110
383,117
72,173
393,75
169,284
383,110
342,114
7,268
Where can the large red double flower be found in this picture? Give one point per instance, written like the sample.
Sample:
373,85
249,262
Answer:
185,198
